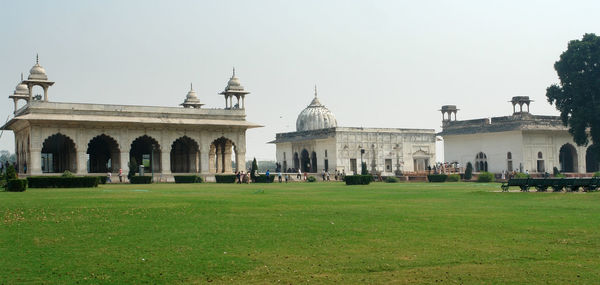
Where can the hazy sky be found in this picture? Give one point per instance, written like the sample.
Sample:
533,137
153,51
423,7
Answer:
376,63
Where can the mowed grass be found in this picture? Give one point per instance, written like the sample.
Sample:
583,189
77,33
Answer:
299,233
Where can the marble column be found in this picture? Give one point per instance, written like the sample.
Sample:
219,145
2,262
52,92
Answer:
35,165
81,162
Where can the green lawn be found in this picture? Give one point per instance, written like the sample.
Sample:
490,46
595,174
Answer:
299,233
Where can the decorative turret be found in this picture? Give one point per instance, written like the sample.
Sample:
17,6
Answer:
191,100
447,111
21,93
234,89
37,76
520,100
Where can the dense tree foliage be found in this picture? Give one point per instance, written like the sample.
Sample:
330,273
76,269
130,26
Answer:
577,97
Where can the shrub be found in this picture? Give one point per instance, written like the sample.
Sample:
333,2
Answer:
555,171
10,172
225,178
485,177
437,177
469,171
187,179
522,175
16,185
560,175
391,179
67,174
102,179
140,180
358,179
363,168
311,179
253,170
133,168
597,174
453,178
62,182
262,178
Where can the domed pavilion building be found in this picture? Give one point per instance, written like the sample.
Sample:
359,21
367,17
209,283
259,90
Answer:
93,139
319,144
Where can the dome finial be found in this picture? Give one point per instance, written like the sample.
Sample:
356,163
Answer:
37,59
21,76
191,86
233,72
315,90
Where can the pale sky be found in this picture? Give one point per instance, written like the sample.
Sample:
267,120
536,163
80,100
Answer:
376,63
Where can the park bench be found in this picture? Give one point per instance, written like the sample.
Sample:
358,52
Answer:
522,183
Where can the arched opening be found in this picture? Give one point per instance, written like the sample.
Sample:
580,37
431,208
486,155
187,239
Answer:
592,163
296,162
58,154
305,161
185,155
568,158
313,159
540,162
37,93
509,163
104,154
481,162
220,156
146,151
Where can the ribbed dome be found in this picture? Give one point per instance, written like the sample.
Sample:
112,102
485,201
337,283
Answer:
234,84
191,100
21,89
37,72
315,116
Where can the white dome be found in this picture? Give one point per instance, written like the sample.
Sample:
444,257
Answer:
37,72
21,89
315,116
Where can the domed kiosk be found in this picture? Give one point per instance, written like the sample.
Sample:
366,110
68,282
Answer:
318,145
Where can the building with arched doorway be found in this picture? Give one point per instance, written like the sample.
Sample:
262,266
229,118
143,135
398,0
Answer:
319,144
522,142
53,137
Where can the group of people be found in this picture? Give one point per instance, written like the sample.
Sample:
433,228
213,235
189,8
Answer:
109,176
444,167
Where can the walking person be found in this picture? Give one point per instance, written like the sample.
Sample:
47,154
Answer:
120,175
299,174
279,176
108,176
323,174
267,174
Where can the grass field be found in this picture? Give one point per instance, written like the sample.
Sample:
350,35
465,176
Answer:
299,233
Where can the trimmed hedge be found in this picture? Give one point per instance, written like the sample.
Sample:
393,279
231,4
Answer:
263,179
140,180
522,175
358,179
225,178
485,177
437,177
453,178
391,179
311,179
187,179
102,179
16,185
62,182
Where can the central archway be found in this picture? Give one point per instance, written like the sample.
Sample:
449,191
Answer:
305,161
313,160
58,154
184,155
220,156
146,151
103,154
568,158
296,162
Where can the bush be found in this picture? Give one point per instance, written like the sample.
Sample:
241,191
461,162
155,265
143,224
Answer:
469,171
102,179
133,168
358,179
187,179
225,178
453,178
311,179
62,182
10,172
262,178
437,177
391,179
16,185
560,175
363,168
555,171
140,180
485,177
67,174
522,175
597,174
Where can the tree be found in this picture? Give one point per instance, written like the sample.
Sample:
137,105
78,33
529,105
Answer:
133,166
253,169
5,156
363,168
10,172
469,171
577,97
